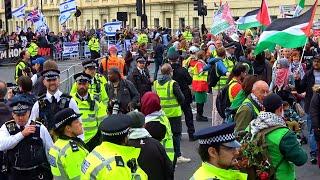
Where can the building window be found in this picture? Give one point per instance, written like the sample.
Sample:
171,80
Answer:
156,22
96,22
182,23
168,22
195,22
105,21
134,23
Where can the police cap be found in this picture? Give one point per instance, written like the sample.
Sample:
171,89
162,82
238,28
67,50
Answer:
217,135
50,74
82,77
64,116
20,105
115,125
90,63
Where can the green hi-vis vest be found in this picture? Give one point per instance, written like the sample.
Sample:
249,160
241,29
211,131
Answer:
33,49
91,116
285,169
168,101
167,141
65,159
19,67
209,171
223,79
97,90
110,161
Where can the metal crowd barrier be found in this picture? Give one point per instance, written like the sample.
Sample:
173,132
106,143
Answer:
67,77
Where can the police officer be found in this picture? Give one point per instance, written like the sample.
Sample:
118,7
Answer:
94,46
53,101
26,143
92,111
68,152
218,152
97,89
33,48
22,65
113,159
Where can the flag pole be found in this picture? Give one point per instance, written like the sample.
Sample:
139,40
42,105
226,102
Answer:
304,49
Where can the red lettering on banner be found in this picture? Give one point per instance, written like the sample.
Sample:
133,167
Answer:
44,51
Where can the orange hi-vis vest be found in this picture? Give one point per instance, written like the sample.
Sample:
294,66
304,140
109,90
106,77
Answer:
113,61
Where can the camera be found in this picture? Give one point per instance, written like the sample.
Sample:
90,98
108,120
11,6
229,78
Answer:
114,103
14,87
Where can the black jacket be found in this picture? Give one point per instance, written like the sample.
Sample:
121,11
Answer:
141,82
153,159
183,78
305,85
127,93
315,114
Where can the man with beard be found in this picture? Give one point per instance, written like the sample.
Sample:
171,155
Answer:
53,101
262,68
91,110
218,150
121,92
235,80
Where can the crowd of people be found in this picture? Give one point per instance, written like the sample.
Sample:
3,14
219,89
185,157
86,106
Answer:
121,122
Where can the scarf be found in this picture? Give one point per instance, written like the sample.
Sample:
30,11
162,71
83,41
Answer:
138,133
282,77
255,99
265,120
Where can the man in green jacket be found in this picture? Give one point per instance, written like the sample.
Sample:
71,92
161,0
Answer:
251,106
283,148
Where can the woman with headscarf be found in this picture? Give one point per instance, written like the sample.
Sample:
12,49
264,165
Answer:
283,80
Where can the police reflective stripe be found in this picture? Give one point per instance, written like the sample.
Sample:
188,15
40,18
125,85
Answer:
105,163
61,152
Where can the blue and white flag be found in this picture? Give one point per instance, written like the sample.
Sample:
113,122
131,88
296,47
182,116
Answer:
111,28
66,8
19,12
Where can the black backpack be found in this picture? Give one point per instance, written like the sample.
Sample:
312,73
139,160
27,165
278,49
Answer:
223,101
213,77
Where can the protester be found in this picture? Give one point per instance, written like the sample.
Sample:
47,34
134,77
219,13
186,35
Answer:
305,84
183,78
262,68
284,149
251,106
123,96
153,159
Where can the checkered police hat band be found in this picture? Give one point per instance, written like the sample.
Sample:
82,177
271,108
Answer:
90,65
218,139
51,74
20,107
82,78
66,119
115,133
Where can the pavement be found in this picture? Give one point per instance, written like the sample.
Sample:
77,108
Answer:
189,149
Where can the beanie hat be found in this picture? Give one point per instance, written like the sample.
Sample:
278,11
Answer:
137,119
272,102
172,54
150,102
156,130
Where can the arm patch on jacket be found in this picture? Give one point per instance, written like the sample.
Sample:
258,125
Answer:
85,166
52,160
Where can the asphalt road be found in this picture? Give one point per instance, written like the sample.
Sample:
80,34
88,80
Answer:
189,149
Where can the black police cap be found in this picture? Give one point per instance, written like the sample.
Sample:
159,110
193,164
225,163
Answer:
82,77
89,63
64,116
20,104
115,125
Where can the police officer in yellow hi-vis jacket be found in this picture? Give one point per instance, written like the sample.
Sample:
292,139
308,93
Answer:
113,159
92,111
68,152
218,151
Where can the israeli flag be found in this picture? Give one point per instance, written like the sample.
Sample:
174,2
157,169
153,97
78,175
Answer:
111,28
19,12
66,8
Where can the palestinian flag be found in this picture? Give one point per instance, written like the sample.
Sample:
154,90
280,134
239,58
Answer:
287,32
249,20
255,18
299,8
